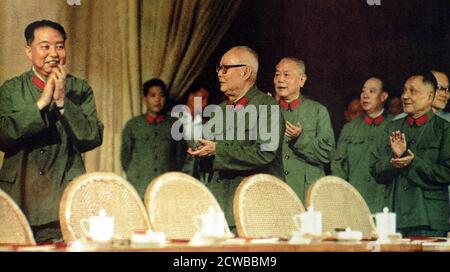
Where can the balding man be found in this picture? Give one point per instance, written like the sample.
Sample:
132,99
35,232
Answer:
309,137
239,148
413,160
350,160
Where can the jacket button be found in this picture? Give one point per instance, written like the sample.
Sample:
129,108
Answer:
42,151
286,157
287,141
41,173
405,188
286,172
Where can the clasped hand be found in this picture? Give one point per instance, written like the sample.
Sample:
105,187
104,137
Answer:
207,148
54,88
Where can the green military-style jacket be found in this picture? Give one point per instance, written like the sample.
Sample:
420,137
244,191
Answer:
351,159
305,157
417,193
43,148
148,150
236,159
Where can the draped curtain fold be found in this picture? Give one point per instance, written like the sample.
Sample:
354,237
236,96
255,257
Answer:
115,45
176,43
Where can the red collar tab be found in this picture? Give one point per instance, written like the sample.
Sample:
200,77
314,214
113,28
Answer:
373,121
239,104
418,122
289,106
151,120
38,82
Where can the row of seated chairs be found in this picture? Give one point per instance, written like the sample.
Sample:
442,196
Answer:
263,206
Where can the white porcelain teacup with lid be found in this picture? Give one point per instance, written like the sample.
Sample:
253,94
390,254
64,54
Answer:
99,228
385,223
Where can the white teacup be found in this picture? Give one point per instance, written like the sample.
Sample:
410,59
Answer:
309,222
99,228
385,223
211,224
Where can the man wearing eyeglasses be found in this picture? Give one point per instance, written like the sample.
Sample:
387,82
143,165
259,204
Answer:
231,160
413,160
442,95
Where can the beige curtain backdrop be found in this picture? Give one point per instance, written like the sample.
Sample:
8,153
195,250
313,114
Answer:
115,45
177,42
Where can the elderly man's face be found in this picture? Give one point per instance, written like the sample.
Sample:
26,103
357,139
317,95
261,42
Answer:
288,80
232,79
47,50
372,96
442,94
417,97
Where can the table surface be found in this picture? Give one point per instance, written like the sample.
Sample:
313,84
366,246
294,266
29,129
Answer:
247,246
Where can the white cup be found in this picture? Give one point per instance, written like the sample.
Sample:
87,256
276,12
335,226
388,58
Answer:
309,222
99,228
211,224
385,223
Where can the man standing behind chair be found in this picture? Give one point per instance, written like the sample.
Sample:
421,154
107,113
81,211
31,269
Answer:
350,160
47,119
413,160
147,149
234,159
309,137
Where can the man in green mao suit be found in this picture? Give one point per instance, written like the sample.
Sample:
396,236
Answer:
47,120
350,160
234,156
309,138
148,149
413,160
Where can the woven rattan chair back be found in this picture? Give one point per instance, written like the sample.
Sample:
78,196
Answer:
89,193
174,200
341,206
264,206
14,226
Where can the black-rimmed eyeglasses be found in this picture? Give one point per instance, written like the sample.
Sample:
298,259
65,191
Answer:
442,89
225,68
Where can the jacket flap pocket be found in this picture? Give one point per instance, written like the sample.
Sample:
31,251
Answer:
441,195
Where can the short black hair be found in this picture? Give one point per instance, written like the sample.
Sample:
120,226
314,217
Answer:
154,82
385,86
29,30
427,78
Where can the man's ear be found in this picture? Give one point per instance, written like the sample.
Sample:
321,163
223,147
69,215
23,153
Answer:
28,52
303,79
384,96
247,73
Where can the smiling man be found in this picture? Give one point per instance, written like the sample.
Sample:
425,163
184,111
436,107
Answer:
309,138
48,119
413,160
350,160
442,95
233,158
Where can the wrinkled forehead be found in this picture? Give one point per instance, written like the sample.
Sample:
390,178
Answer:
287,65
42,34
373,83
